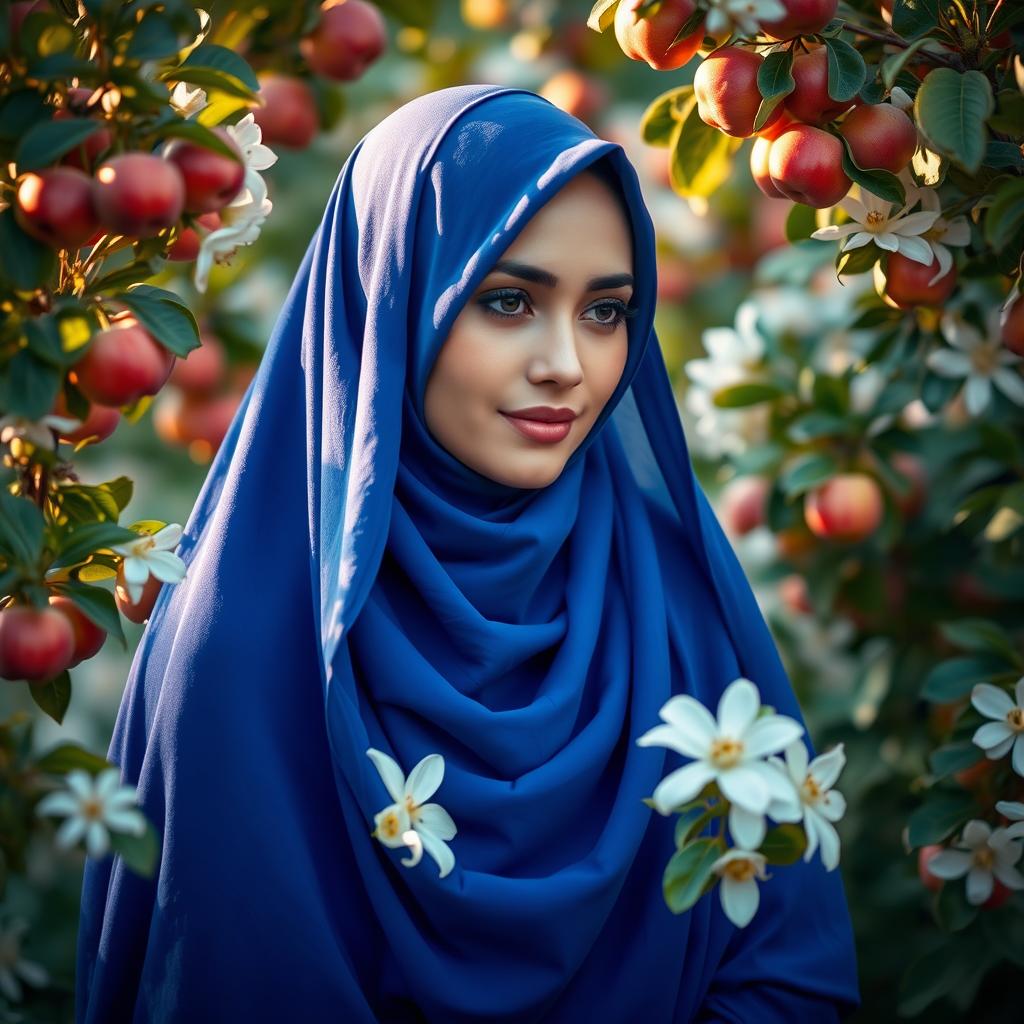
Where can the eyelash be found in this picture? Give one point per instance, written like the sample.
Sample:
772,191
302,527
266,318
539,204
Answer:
623,312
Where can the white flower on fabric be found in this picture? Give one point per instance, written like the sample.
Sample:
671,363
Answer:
821,805
35,431
187,101
746,15
409,821
151,555
979,358
1007,731
728,751
1014,810
14,968
982,855
740,870
874,221
94,808
943,232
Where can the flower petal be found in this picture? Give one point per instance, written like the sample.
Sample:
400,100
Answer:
166,567
744,785
832,805
979,885
825,768
746,827
1010,383
131,822
976,833
97,840
1008,875
435,818
438,850
796,760
739,900
828,839
70,832
61,802
694,723
977,394
394,778
990,734
916,249
737,708
991,701
769,734
682,785
425,778
950,864
947,363
1018,755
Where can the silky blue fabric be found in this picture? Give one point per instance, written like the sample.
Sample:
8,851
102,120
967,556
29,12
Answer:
352,584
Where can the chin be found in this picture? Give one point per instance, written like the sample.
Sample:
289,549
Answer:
539,475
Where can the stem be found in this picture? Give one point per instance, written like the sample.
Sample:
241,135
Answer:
895,40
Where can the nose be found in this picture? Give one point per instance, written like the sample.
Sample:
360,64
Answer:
557,359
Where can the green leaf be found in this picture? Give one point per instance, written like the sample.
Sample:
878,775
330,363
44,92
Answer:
84,540
806,472
951,109
602,14
139,853
25,262
199,134
416,13
846,69
44,143
701,156
658,121
816,424
881,183
911,18
21,529
688,873
19,111
954,679
954,757
738,396
930,977
67,756
784,844
1005,216
53,696
980,635
28,386
894,64
153,38
220,58
97,604
167,319
952,911
690,819
801,221
858,260
942,812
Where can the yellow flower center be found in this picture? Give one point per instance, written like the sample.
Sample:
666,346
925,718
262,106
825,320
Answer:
1015,719
876,220
740,870
92,809
390,825
726,752
985,358
413,809
984,857
812,791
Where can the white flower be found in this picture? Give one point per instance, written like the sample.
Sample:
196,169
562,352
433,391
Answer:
943,232
901,98
727,752
1014,810
745,15
873,221
981,359
92,807
35,431
151,554
409,821
13,965
821,804
187,101
248,136
982,854
739,871
996,738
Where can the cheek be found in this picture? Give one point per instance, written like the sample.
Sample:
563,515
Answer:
606,366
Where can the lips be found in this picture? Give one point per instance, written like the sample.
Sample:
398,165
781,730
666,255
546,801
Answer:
544,414
546,432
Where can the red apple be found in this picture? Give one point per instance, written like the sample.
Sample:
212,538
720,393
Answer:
186,246
906,282
759,168
84,155
848,507
576,93
650,39
135,611
809,101
203,368
777,125
211,179
122,364
349,37
1012,330
924,855
35,643
100,422
725,84
806,165
88,636
802,18
56,206
138,194
289,116
793,594
1000,894
183,418
880,136
743,503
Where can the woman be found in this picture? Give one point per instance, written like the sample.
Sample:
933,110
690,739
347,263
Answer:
436,576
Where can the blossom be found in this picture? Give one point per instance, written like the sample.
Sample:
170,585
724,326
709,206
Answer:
873,221
187,101
149,555
996,738
727,751
409,821
13,964
821,805
739,871
980,358
746,15
35,431
1014,810
982,855
943,232
94,807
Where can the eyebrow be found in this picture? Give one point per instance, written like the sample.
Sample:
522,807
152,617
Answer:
545,277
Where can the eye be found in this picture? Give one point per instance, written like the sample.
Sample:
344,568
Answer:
610,312
506,297
618,309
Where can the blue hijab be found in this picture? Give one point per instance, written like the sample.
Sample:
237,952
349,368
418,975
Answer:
379,593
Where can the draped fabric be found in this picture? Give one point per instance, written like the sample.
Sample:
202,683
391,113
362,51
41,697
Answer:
379,593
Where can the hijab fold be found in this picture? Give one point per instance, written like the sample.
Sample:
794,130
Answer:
380,593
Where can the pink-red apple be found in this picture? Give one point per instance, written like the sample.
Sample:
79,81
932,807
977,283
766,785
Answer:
924,855
135,611
138,194
211,179
88,636
650,39
186,246
123,363
349,37
743,504
99,423
759,168
576,93
725,84
906,282
35,643
880,136
56,206
848,507
1012,331
806,165
809,101
802,18
289,115
203,368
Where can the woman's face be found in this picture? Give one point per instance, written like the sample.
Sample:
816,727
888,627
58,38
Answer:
544,330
